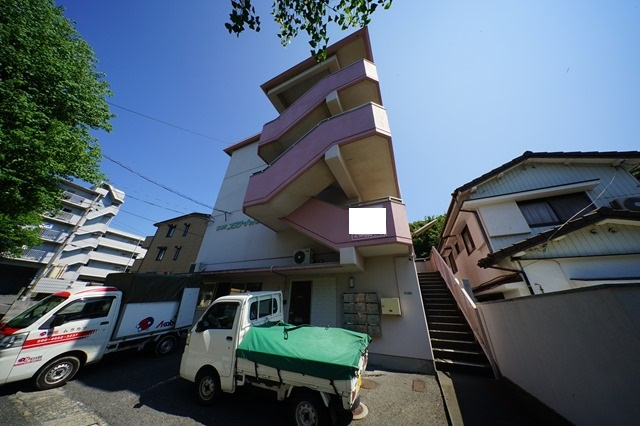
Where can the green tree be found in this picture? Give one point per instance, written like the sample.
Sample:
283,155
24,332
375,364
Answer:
311,17
51,96
423,242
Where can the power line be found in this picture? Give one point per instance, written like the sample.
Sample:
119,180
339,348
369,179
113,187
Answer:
137,215
168,124
157,205
173,191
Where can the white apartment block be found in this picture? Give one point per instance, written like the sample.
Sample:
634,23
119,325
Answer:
77,245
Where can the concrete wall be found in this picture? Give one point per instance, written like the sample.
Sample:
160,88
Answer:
576,351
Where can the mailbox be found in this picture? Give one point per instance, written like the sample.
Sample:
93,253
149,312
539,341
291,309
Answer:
390,306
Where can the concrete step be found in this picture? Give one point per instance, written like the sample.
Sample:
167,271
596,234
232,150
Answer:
475,357
455,318
449,326
440,292
465,345
466,336
434,305
463,367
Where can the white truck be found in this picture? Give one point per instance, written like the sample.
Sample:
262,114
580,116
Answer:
52,339
241,340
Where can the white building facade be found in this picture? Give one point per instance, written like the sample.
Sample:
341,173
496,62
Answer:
282,213
77,245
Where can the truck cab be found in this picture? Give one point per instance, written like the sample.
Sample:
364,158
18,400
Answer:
212,342
74,323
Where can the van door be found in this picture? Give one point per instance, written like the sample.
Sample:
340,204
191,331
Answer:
213,340
82,324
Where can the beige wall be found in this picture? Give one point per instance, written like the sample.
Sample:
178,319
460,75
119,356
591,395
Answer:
467,263
189,246
576,351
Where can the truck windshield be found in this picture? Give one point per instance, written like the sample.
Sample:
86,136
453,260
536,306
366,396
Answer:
35,312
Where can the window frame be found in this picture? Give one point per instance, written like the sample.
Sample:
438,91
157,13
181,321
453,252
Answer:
171,230
161,252
452,262
186,229
467,239
552,204
177,252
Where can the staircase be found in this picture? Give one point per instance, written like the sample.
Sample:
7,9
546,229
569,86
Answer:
455,348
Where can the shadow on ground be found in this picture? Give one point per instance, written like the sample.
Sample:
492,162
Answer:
485,401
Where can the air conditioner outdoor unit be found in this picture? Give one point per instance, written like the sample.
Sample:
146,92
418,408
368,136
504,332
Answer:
630,203
303,256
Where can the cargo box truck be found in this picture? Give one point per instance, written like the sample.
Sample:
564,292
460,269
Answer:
52,339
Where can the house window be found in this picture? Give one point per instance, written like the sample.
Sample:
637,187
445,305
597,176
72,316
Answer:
171,230
457,247
554,210
161,253
177,252
468,241
186,229
452,263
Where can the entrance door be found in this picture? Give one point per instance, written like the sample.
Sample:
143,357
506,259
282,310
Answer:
300,303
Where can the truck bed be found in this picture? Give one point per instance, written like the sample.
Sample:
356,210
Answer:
279,349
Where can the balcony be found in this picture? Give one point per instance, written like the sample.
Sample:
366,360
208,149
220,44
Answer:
65,217
34,254
112,259
328,224
353,149
52,235
76,199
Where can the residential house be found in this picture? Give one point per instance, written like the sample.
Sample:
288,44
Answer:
77,245
282,213
174,247
546,222
543,256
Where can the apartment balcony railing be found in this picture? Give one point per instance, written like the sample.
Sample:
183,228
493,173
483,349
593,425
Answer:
51,235
75,198
329,225
34,254
65,217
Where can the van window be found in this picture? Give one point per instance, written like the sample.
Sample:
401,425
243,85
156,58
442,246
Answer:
86,309
263,308
220,316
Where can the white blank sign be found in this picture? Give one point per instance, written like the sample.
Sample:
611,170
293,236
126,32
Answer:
368,220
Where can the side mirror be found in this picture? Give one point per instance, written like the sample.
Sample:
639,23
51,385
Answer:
200,327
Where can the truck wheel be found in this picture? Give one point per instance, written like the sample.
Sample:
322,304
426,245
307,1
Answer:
164,345
208,386
57,372
308,409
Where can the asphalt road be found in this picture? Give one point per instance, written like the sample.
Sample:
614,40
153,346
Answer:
132,388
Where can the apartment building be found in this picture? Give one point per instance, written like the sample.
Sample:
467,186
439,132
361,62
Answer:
77,244
174,247
281,219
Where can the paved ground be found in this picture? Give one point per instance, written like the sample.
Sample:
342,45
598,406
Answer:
134,389
473,400
401,399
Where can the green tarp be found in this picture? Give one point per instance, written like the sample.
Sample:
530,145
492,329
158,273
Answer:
328,353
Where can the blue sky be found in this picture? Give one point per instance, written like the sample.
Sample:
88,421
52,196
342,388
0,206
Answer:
467,86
